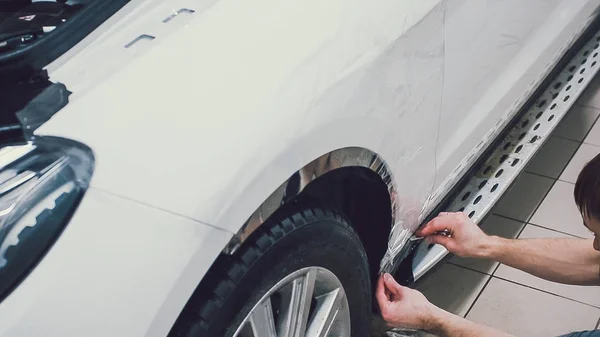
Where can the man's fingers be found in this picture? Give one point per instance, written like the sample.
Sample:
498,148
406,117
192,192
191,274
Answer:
438,224
392,285
380,293
439,239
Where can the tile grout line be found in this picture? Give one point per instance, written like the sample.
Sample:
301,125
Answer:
469,268
580,143
557,231
544,291
518,234
489,278
525,223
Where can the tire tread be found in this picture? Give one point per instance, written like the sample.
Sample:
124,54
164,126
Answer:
227,271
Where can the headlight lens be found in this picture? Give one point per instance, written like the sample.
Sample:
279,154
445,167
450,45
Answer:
41,183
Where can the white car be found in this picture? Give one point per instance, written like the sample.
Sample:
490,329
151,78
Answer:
248,168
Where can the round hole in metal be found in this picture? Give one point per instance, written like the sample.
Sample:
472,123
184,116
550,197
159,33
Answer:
430,245
461,209
566,98
580,80
506,146
499,173
586,53
521,136
471,214
582,71
569,78
519,148
514,163
477,200
593,64
481,184
494,188
534,139
539,114
554,95
537,126
542,103
595,54
557,85
572,68
568,87
553,106
550,118
596,46
503,158
465,196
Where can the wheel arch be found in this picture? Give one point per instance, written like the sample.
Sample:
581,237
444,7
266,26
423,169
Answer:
341,179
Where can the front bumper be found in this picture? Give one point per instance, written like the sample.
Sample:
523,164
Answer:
120,268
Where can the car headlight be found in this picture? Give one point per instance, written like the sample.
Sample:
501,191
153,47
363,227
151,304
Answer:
41,183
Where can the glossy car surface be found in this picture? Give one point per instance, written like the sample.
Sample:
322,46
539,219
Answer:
197,131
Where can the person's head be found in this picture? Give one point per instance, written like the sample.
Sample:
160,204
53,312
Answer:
587,197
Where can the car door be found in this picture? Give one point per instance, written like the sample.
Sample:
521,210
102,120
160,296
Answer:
496,53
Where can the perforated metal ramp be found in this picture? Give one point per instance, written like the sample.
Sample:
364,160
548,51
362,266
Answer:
512,154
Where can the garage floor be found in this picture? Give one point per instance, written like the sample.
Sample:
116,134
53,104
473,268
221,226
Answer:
539,205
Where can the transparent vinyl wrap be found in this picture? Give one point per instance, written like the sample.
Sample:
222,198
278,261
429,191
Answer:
403,84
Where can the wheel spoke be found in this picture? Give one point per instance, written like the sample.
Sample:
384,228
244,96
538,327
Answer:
297,315
328,307
262,321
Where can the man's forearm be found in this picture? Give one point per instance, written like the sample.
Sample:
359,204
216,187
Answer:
564,260
446,324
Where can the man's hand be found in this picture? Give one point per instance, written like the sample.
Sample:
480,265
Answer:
464,238
402,307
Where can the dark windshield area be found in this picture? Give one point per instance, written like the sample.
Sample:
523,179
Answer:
33,33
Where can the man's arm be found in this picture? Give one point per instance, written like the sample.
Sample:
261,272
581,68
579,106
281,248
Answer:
407,308
571,261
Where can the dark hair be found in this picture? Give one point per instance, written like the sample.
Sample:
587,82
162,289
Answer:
587,189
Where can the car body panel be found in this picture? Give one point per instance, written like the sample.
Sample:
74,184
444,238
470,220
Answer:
193,130
120,268
496,54
319,90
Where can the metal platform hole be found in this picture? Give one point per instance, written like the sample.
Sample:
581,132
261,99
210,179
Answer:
466,196
499,173
481,185
519,148
515,162
494,188
477,200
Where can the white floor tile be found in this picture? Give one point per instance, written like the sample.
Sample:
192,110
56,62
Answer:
493,225
553,157
523,198
591,95
589,295
523,311
583,155
594,136
577,123
559,212
453,288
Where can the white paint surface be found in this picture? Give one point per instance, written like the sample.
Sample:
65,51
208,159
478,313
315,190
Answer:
219,109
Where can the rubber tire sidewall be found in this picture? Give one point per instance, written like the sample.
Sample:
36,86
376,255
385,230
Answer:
329,244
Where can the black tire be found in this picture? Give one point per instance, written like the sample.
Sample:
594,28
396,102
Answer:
297,238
